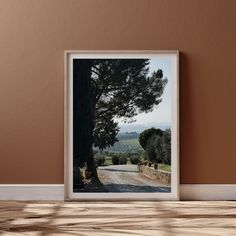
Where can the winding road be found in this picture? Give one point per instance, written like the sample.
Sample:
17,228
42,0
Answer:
126,178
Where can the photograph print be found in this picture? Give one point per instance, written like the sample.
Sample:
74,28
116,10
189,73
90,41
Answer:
123,123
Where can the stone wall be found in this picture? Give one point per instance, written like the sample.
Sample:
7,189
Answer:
163,177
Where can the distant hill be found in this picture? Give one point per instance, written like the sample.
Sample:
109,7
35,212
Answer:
128,137
138,128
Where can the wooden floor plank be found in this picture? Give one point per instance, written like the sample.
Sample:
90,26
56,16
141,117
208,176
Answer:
138,218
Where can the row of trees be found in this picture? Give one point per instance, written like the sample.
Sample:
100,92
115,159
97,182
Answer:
117,158
157,145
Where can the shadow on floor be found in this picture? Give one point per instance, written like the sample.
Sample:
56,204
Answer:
117,218
136,188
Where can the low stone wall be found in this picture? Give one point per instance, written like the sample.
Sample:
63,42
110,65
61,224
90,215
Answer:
162,176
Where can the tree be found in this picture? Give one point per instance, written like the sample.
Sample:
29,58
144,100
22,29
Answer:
105,89
166,146
157,145
83,123
150,150
147,134
154,151
158,142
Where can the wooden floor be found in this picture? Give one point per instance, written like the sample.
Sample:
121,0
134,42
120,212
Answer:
123,218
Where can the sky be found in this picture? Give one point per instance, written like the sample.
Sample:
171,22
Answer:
162,112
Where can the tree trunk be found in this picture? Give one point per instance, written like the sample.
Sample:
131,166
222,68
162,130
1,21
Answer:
91,165
83,115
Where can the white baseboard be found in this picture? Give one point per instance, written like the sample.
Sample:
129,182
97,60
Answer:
31,191
56,192
208,192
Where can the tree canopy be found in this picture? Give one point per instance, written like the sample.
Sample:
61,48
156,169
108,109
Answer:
157,145
147,134
122,88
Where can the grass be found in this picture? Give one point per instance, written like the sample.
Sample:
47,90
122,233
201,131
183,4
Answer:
126,145
164,167
131,142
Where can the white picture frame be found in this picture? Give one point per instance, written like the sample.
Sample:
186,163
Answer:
69,55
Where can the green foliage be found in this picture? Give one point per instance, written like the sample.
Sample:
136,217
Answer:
105,132
100,160
158,147
147,134
150,150
121,88
164,167
123,160
135,159
115,160
166,146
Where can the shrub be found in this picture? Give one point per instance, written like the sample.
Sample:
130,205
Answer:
123,160
100,160
115,160
135,160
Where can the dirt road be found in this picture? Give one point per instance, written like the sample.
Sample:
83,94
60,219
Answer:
126,178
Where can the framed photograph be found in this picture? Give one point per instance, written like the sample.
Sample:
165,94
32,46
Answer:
121,125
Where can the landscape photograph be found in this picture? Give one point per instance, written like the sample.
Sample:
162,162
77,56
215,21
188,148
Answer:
122,127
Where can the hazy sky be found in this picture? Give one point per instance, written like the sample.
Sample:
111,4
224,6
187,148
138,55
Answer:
162,112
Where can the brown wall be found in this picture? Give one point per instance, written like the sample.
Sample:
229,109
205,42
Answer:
33,36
